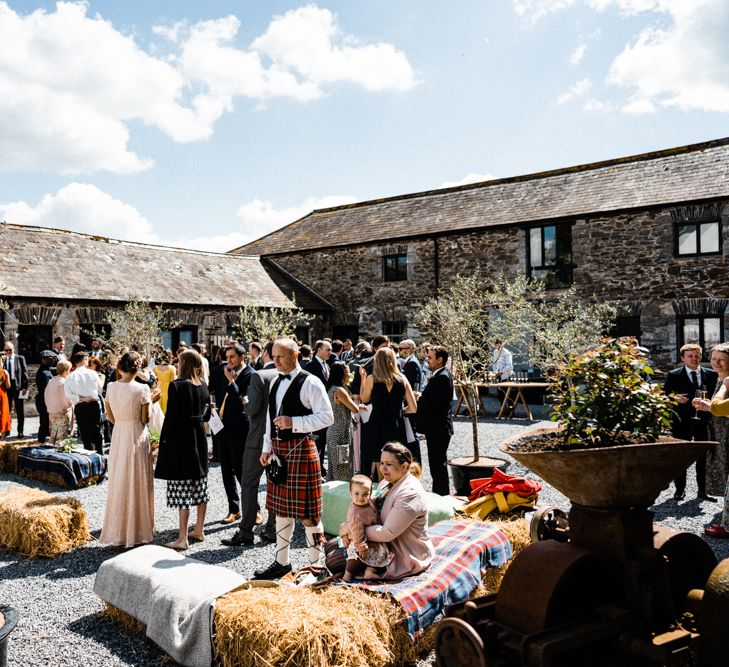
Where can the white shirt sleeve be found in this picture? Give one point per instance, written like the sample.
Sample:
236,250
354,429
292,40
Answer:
314,396
69,388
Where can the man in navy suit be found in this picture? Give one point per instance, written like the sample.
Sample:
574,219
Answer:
319,367
233,437
434,417
681,385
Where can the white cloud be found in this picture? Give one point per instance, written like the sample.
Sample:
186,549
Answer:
685,65
467,179
578,54
578,90
72,84
533,10
594,104
81,207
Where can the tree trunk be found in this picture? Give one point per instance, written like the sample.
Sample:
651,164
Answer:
472,393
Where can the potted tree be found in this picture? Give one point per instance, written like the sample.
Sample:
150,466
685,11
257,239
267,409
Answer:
607,449
472,311
8,621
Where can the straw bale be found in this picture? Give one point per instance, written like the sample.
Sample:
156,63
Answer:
116,614
298,626
518,531
9,454
39,524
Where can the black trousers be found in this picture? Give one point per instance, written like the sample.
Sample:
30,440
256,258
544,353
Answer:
692,429
249,484
19,403
231,449
44,428
88,420
437,442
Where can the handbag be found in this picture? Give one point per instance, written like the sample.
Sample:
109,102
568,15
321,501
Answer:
335,556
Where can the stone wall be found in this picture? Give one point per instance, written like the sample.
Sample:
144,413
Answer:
625,258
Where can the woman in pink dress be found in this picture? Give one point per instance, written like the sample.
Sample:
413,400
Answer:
129,515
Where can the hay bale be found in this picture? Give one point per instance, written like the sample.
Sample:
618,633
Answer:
9,454
297,627
517,529
39,524
119,616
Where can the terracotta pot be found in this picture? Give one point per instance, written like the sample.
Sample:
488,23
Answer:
617,477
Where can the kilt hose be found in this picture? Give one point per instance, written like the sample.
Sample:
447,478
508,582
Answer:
300,496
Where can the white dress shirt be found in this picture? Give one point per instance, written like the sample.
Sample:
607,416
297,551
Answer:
701,381
83,383
503,363
313,396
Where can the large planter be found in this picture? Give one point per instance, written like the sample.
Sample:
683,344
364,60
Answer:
618,477
464,469
8,620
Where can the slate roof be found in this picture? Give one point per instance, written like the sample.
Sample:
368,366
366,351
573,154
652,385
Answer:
58,264
689,173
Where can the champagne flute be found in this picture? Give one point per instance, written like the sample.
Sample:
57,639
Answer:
701,395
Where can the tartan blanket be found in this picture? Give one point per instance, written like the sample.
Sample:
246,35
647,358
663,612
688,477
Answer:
71,468
464,550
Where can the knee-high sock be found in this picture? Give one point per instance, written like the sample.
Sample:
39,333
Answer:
284,531
314,539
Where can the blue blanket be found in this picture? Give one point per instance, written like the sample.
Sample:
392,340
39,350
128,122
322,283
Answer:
72,470
464,550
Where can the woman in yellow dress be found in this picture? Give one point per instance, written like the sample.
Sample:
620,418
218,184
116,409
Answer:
165,373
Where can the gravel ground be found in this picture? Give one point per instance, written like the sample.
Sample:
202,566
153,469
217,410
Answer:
59,621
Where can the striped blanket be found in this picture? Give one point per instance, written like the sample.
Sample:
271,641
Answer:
464,550
71,470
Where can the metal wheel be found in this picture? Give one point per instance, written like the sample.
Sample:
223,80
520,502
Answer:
714,612
457,644
549,523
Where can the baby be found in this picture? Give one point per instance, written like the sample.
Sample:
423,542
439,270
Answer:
372,558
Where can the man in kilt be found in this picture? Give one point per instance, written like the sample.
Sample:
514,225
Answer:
298,405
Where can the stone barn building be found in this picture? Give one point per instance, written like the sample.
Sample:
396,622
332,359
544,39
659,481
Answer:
65,283
646,232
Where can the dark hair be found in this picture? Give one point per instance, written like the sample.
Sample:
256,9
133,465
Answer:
440,353
237,348
58,339
130,362
336,373
190,363
268,349
77,358
361,346
320,344
78,347
379,341
304,351
399,451
337,346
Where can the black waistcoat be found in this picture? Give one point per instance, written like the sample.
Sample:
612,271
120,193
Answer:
291,406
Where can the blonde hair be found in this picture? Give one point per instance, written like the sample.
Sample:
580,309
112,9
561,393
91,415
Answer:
362,480
385,368
63,366
190,365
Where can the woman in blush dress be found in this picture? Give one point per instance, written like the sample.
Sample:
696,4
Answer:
129,515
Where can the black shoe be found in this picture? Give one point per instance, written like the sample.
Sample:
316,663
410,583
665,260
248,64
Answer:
274,571
267,536
703,496
679,495
238,540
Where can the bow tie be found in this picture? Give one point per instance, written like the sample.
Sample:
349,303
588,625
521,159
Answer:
284,377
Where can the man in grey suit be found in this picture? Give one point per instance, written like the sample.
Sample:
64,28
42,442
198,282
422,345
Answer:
256,408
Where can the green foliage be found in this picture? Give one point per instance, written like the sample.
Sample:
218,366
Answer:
267,324
67,446
602,397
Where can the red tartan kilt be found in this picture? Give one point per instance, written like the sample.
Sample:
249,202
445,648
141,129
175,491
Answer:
299,497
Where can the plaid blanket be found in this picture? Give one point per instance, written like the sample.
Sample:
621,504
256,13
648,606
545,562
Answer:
72,470
464,550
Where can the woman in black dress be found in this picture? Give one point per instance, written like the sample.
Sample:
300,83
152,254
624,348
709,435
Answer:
386,389
183,448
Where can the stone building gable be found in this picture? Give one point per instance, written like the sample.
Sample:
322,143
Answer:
691,173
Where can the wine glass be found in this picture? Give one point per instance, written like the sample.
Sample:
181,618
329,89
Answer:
700,394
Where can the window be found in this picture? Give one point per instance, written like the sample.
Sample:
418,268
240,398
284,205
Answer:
86,332
395,329
395,267
171,338
549,254
32,340
698,238
706,330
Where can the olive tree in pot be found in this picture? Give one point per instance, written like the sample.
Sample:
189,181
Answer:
472,311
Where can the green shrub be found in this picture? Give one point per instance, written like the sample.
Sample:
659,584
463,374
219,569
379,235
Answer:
603,397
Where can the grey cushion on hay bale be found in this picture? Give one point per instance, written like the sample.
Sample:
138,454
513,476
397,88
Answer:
171,594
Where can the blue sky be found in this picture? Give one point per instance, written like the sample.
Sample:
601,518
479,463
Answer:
208,124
